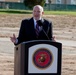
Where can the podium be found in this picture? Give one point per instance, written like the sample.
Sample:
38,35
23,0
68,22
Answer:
38,57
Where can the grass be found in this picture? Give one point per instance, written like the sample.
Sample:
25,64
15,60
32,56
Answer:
61,12
14,11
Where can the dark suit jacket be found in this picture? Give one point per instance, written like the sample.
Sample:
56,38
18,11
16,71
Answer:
27,31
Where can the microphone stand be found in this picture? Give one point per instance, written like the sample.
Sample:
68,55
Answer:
45,33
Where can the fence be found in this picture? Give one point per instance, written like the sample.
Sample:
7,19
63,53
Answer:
60,7
16,5
12,5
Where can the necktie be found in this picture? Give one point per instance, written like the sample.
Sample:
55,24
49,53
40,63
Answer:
37,29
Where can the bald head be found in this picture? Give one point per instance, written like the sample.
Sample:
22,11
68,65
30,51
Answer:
37,12
38,6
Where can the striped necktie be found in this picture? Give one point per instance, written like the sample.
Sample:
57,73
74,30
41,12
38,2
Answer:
37,29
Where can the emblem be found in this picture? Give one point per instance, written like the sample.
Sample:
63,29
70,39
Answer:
42,58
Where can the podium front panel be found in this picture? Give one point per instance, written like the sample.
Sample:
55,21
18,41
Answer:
42,59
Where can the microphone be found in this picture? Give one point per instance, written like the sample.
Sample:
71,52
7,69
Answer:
40,23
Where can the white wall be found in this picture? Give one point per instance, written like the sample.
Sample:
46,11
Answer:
58,1
47,1
2,0
73,2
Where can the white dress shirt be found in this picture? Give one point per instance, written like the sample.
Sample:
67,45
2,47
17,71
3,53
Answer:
40,27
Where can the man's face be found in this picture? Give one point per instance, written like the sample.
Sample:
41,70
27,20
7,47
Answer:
37,13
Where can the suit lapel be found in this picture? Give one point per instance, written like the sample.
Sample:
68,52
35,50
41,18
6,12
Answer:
32,28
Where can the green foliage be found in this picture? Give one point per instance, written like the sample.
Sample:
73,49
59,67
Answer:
31,3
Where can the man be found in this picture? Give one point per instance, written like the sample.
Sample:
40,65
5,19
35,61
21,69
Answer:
28,28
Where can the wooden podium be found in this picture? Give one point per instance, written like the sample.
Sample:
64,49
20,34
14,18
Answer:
40,57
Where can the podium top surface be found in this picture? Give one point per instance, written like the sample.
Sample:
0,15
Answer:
40,42
44,41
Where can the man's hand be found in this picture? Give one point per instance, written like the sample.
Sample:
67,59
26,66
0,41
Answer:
54,39
13,38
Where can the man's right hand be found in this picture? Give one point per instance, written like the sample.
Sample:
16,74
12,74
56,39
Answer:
13,38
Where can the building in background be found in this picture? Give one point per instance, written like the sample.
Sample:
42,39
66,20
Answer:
62,1
68,2
12,0
2,0
73,2
47,1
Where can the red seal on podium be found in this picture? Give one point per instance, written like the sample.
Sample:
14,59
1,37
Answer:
42,58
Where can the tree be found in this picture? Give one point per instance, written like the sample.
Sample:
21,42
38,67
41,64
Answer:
31,3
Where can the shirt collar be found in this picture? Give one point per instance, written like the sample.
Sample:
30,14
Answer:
35,19
35,22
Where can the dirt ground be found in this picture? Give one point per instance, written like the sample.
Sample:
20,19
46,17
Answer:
64,29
